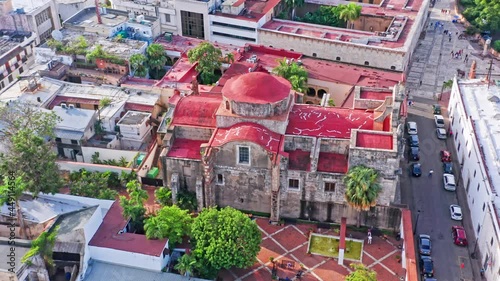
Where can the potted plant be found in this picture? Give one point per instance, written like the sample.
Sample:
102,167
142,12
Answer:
398,258
271,259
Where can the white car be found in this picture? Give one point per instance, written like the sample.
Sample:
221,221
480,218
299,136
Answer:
439,121
449,182
456,212
441,133
412,128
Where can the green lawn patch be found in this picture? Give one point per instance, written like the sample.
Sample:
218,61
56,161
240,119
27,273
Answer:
329,246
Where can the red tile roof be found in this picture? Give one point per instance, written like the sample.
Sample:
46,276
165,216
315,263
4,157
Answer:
139,107
185,148
257,88
332,163
268,57
331,122
197,110
107,236
251,132
374,95
349,74
63,99
299,160
373,140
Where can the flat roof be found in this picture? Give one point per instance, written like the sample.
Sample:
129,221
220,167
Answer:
482,104
374,140
186,148
28,5
183,44
328,122
108,236
74,119
134,118
71,225
11,40
329,162
46,92
182,71
255,10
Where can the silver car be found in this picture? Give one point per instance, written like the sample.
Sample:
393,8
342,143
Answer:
412,128
449,182
456,212
439,121
441,133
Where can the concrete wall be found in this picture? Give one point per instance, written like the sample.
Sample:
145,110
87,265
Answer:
66,10
107,154
76,166
372,23
193,6
89,230
45,55
187,169
124,258
193,133
299,143
330,50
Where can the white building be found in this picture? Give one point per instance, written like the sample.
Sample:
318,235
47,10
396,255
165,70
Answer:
474,111
76,126
67,8
134,128
38,16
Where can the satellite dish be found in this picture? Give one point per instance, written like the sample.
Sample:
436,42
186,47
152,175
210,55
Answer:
57,35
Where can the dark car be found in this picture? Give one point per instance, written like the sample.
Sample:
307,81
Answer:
426,266
436,109
424,245
416,169
448,168
413,140
413,153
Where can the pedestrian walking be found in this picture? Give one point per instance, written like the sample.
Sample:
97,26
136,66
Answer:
452,54
420,82
369,237
449,39
431,172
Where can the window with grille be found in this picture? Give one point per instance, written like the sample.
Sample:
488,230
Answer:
244,155
329,186
293,184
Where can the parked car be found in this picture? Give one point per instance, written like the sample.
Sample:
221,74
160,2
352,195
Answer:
416,169
413,141
426,266
441,133
413,153
445,156
412,128
449,182
439,121
456,212
458,235
448,168
424,244
436,109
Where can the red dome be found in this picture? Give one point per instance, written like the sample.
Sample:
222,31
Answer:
256,87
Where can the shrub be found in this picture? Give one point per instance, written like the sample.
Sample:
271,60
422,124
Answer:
496,45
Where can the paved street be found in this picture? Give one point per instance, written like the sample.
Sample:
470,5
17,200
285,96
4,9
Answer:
432,64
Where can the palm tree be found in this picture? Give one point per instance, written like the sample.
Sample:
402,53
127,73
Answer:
185,265
362,188
349,13
446,85
138,65
156,58
294,73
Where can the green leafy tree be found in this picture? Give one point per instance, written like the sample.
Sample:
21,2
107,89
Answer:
28,159
291,5
133,207
138,65
186,200
43,245
294,73
325,15
361,273
186,265
484,14
362,188
164,196
209,59
225,238
170,222
496,45
93,185
156,58
349,13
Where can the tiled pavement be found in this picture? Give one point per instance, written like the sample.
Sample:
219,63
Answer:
290,242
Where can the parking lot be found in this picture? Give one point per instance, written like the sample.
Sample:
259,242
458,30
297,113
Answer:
427,195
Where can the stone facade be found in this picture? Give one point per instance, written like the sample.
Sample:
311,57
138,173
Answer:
286,175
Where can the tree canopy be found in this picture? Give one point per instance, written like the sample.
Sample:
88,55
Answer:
294,73
133,207
170,222
186,265
362,188
225,238
43,245
324,15
361,273
156,58
93,185
349,12
138,65
484,14
209,59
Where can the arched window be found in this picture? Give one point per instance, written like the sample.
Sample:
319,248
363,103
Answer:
315,55
338,58
321,93
367,63
227,105
311,92
393,67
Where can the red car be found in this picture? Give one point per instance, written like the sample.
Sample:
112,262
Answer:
459,236
445,156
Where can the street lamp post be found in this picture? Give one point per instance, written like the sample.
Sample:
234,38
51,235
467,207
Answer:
416,222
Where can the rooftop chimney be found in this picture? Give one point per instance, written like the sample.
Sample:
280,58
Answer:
472,72
194,86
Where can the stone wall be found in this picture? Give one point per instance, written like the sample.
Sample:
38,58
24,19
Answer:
187,169
275,125
299,143
347,52
339,146
372,23
193,133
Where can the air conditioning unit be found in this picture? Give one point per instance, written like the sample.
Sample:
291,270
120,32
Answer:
390,7
63,105
71,106
140,18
